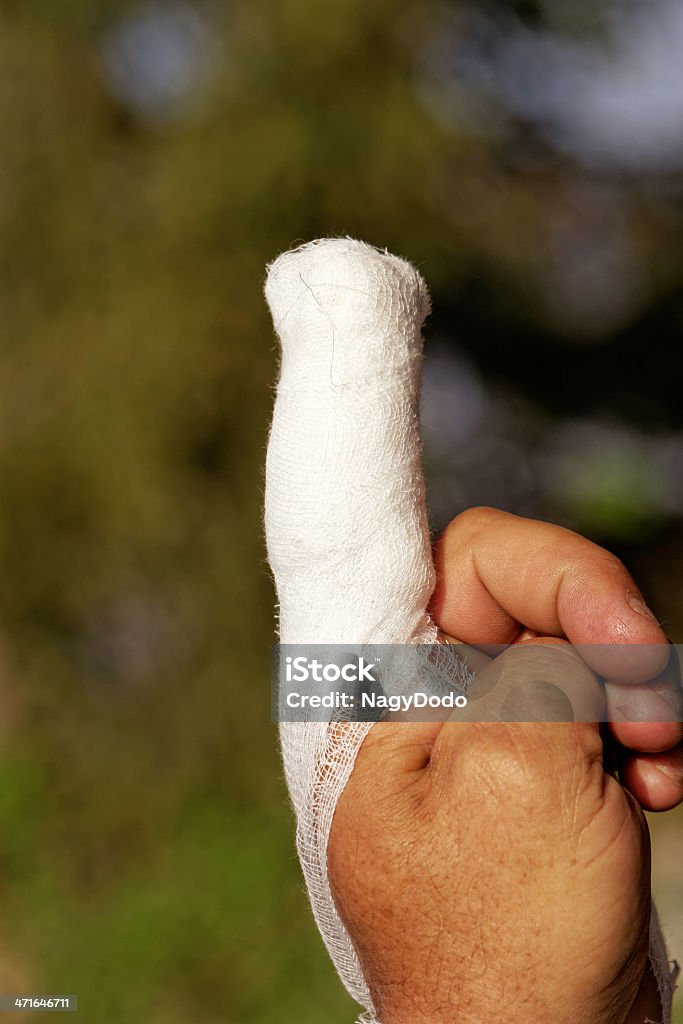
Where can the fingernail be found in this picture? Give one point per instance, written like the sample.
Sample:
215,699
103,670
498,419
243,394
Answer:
672,771
639,606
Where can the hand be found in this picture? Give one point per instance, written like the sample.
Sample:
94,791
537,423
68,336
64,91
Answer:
502,579
495,872
348,543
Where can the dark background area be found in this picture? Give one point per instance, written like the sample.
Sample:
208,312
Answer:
155,156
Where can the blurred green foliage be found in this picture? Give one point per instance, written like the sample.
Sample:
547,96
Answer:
146,848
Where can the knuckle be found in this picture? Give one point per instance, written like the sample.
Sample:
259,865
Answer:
515,757
520,762
596,559
473,519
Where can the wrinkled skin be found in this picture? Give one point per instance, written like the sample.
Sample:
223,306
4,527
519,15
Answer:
495,872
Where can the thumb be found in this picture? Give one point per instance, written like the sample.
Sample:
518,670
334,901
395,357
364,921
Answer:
539,680
531,720
345,516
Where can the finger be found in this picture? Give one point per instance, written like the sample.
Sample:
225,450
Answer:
648,716
538,681
345,518
346,524
496,571
655,780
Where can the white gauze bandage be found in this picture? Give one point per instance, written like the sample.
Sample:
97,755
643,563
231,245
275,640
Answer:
346,522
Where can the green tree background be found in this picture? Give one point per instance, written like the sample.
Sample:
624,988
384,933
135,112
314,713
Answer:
154,158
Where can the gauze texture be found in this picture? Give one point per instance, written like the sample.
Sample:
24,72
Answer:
345,516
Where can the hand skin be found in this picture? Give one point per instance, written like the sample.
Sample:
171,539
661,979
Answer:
494,873
501,578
